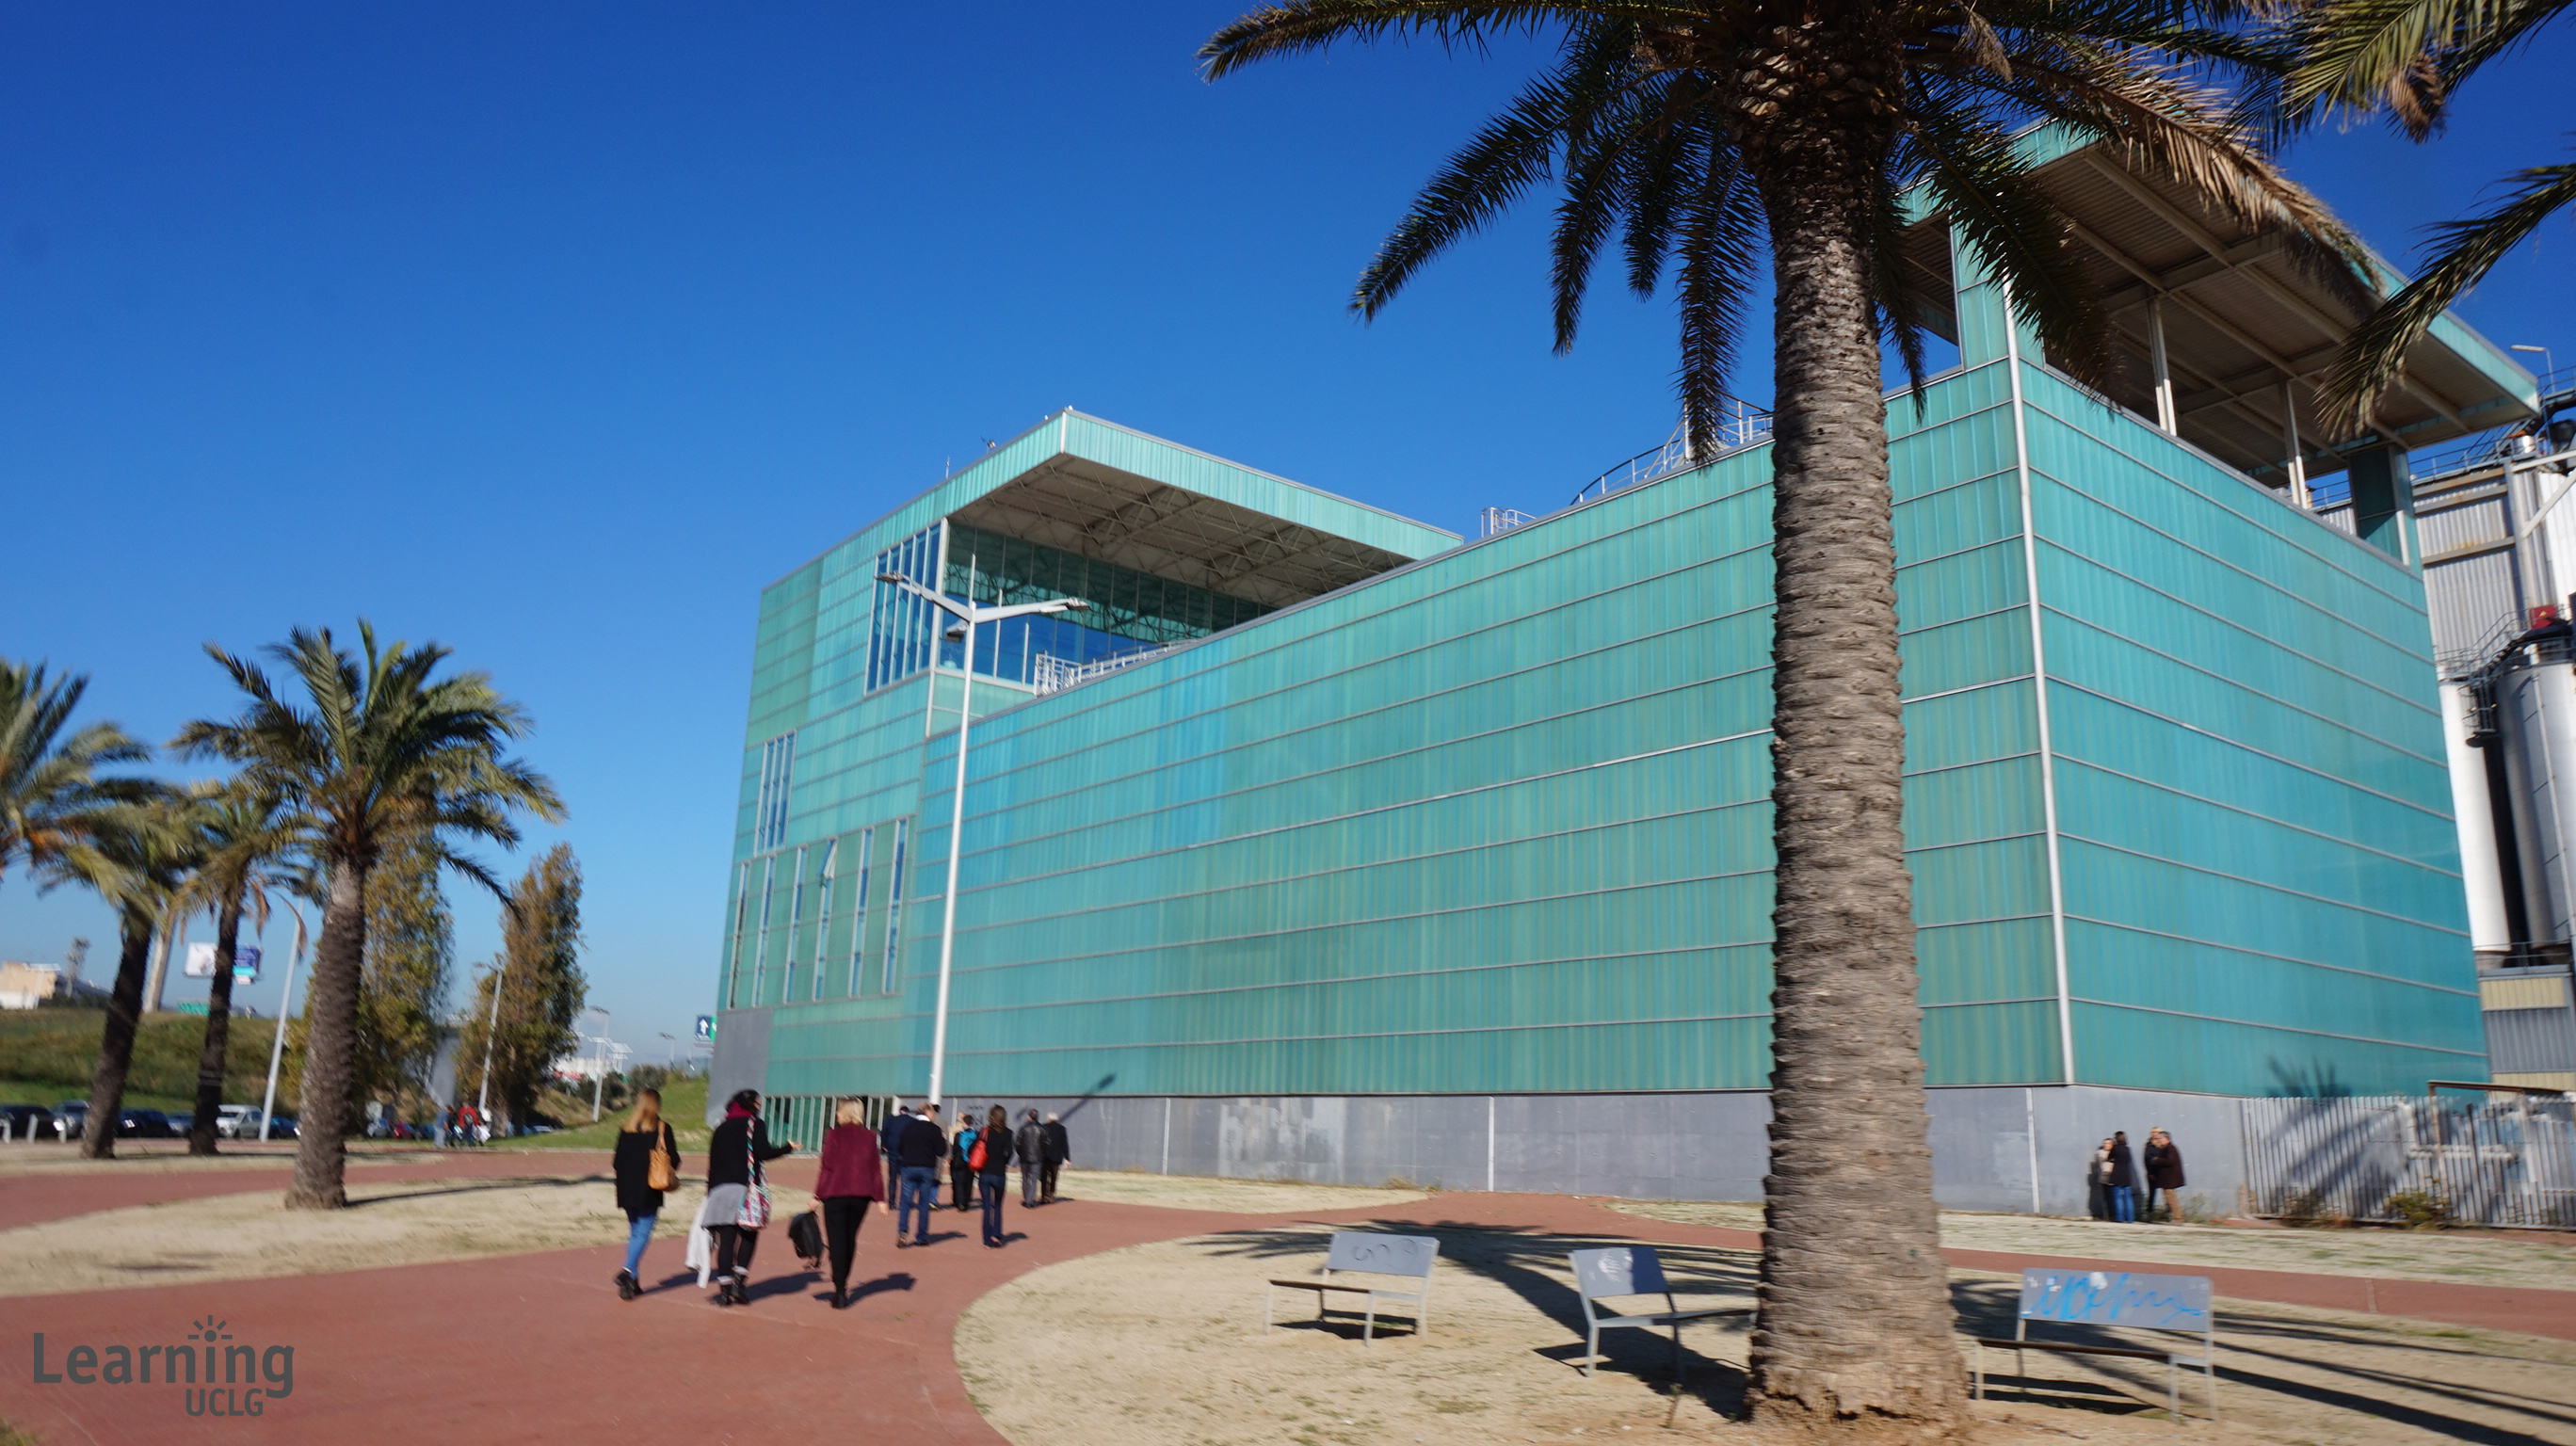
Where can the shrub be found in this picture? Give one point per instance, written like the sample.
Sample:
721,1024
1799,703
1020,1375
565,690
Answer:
2421,1209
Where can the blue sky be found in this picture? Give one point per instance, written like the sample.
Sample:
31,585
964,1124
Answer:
553,333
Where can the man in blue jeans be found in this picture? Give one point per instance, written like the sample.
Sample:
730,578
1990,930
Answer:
918,1151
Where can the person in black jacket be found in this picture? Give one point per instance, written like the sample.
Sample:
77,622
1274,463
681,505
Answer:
2123,1179
2163,1164
1059,1149
644,1134
995,1177
737,1191
1030,1145
918,1151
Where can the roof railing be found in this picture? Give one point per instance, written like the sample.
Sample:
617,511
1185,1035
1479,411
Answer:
1049,673
1744,426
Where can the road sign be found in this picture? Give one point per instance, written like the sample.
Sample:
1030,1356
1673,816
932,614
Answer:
706,1029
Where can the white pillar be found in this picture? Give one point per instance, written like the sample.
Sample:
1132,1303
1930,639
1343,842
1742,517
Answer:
2481,864
2166,417
2297,466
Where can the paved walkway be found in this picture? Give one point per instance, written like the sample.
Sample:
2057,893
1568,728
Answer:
538,1348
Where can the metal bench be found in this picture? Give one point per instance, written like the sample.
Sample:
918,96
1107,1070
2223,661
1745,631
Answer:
1628,1270
1365,1252
2178,1303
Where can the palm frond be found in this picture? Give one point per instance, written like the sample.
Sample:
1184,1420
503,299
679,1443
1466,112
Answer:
2464,251
1274,31
1721,239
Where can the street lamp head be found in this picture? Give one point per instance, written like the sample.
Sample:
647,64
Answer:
956,633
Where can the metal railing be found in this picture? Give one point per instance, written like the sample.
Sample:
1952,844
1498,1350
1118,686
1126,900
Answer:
1744,426
2478,1161
1049,673
1495,521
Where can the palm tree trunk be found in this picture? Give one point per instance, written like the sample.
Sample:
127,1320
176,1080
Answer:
330,1045
116,1042
1855,1318
219,1012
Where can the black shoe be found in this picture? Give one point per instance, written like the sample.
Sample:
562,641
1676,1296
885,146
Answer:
840,1298
724,1292
741,1290
626,1287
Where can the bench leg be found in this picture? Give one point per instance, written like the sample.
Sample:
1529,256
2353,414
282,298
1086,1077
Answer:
2173,1390
1591,1349
2209,1370
1368,1329
1977,1374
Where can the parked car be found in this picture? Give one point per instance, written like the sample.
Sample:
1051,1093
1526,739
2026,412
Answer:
280,1127
237,1122
69,1117
133,1124
182,1124
28,1122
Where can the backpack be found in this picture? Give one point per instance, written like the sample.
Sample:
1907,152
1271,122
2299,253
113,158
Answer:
805,1237
975,1156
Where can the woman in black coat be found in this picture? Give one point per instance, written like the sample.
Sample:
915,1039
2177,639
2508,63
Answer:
993,1176
2124,1179
738,1193
644,1135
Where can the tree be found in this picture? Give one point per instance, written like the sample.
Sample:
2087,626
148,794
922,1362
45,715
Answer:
49,783
379,749
1710,135
135,855
411,959
240,834
541,983
2407,58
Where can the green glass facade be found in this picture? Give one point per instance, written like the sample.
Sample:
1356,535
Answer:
1496,821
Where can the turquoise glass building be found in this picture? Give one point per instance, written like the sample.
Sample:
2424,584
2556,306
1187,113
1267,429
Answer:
1324,843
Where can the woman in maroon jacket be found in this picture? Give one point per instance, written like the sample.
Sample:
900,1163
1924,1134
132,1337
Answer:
851,1176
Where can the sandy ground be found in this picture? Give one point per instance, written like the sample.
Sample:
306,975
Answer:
2543,1262
405,1222
1250,1197
1163,1343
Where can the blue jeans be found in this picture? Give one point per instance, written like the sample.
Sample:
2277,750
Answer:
638,1231
990,1188
917,1190
2124,1205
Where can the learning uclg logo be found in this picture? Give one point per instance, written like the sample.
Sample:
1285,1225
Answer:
220,1378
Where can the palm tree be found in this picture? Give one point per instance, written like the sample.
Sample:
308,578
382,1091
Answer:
1708,134
379,747
2408,58
49,782
240,833
135,855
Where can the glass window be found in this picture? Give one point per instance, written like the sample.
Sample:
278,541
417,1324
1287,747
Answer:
760,949
902,626
859,925
823,913
894,903
769,812
795,924
733,950
1130,611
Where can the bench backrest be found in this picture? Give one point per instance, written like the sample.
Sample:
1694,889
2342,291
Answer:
2118,1298
1372,1253
1619,1270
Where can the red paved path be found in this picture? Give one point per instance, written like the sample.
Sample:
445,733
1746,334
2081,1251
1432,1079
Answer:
537,1348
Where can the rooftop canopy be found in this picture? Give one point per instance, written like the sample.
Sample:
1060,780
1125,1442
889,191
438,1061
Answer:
2235,322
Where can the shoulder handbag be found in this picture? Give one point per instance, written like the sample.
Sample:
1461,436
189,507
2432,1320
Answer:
754,1214
665,1172
975,1156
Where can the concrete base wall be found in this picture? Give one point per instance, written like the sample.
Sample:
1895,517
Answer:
2006,1149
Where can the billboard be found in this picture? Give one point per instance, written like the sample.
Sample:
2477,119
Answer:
201,963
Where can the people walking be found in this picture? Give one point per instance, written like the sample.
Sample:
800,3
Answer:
888,1135
2164,1173
1059,1149
738,1192
961,1172
918,1151
2123,1179
994,1175
2097,1181
1030,1145
849,1178
646,1164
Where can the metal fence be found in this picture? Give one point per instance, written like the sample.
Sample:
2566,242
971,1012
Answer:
2479,1160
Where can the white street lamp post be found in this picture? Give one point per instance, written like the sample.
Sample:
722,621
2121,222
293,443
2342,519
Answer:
969,617
599,1082
277,1043
671,1057
483,1097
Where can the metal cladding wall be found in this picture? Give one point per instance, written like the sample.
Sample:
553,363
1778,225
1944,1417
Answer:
1497,822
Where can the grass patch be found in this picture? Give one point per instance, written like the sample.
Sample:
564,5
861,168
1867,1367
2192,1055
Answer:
54,1052
684,1104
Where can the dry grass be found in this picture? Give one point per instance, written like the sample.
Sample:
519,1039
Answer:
1163,1343
253,1236
2541,1262
1245,1197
